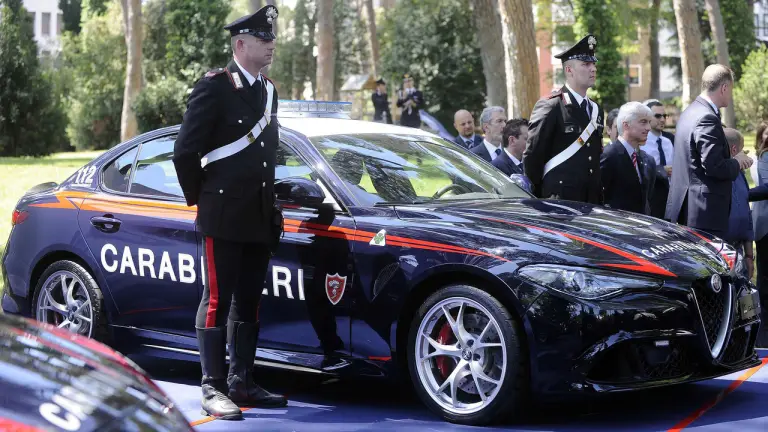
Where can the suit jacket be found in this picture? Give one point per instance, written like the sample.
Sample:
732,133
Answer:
460,141
381,111
670,136
556,122
702,171
481,151
234,195
412,118
506,165
622,187
760,208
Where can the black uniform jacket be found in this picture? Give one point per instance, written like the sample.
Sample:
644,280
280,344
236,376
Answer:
412,119
623,189
234,195
381,107
556,122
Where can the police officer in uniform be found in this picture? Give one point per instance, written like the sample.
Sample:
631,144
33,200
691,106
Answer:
225,159
562,157
411,101
380,101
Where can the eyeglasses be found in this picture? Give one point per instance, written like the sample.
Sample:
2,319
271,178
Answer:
658,116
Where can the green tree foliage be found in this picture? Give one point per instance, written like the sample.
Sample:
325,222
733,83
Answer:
350,44
294,63
30,116
70,10
599,17
95,61
751,92
196,41
161,103
433,40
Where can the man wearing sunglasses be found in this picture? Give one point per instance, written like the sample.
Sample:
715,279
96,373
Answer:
660,148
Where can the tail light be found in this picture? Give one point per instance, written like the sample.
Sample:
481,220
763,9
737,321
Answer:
18,217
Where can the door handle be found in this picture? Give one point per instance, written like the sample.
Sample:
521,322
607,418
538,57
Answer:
106,224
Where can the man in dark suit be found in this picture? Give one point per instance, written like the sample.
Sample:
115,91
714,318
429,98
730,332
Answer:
381,112
492,121
703,169
565,137
662,151
411,101
513,140
465,126
627,172
225,157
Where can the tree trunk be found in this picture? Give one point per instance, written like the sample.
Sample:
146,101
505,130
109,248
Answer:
488,26
133,77
721,44
655,51
325,54
689,37
520,58
373,37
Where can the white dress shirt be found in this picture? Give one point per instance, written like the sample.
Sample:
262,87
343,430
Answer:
578,97
251,79
630,151
651,147
491,149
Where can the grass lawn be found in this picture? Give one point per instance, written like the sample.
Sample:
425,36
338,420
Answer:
17,175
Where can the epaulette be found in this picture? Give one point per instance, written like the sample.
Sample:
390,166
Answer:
555,94
215,72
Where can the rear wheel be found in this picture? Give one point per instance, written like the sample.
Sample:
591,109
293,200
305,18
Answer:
68,297
465,357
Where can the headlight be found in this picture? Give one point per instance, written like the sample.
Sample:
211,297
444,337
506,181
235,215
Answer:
586,283
740,266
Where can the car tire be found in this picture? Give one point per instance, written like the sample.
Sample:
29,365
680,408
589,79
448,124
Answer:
502,401
85,289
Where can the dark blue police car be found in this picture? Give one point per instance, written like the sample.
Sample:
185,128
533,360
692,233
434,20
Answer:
402,252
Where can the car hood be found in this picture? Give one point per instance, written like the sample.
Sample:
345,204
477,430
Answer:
50,378
584,234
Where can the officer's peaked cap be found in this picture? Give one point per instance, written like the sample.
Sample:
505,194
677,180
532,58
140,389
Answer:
258,24
583,50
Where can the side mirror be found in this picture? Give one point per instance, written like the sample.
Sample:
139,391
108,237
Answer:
521,181
299,190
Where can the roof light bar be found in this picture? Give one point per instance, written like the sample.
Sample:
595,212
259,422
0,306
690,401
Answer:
302,108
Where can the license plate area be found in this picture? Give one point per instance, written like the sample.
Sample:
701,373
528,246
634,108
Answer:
749,306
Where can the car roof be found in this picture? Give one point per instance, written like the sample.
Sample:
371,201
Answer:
315,127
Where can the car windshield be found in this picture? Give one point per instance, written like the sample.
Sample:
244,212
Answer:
406,169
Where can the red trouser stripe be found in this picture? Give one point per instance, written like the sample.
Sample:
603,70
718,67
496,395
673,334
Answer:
213,287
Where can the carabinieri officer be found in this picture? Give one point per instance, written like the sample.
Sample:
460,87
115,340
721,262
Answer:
225,159
562,157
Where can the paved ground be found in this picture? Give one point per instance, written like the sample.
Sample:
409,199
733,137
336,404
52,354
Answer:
735,402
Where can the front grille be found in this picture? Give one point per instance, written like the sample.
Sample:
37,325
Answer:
713,308
740,346
642,361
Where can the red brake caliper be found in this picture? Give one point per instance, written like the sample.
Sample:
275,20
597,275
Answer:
444,363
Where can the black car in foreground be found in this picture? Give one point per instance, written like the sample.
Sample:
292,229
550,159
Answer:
53,379
403,253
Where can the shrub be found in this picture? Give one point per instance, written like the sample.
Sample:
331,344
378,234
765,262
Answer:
750,94
160,104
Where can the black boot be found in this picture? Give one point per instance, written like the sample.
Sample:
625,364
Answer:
213,351
242,351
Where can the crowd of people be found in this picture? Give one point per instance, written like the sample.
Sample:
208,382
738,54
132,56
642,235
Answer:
694,176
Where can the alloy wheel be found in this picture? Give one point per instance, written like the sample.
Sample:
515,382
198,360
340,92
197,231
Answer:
64,302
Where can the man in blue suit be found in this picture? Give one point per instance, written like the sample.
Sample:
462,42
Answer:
513,139
492,121
465,126
703,170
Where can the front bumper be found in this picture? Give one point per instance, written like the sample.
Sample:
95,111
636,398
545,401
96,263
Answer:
679,333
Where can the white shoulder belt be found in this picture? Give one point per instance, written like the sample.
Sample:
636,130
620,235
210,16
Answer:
576,145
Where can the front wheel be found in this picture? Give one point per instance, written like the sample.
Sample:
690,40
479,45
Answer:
466,358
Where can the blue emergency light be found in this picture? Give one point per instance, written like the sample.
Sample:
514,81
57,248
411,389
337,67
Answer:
309,108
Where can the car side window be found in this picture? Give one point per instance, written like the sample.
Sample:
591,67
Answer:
117,175
155,174
289,164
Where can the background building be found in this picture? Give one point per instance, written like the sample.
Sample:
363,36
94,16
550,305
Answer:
48,25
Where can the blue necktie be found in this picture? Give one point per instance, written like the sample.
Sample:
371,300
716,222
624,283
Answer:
662,157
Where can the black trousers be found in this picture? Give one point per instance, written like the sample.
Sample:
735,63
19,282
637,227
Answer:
234,279
761,264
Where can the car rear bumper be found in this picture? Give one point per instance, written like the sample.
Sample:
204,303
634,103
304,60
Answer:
643,340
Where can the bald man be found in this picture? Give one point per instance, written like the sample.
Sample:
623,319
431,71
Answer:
703,168
465,125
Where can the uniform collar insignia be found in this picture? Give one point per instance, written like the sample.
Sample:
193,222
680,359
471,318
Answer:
567,98
238,81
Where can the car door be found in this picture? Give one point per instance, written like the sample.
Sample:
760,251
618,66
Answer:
305,304
143,236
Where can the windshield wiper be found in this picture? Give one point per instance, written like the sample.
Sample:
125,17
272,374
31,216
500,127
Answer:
411,202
